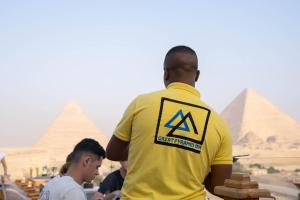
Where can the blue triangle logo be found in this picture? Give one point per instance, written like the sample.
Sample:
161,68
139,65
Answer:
185,125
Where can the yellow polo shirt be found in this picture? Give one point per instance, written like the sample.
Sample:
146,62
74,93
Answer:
174,139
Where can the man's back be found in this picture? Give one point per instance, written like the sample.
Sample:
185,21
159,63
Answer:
174,139
62,188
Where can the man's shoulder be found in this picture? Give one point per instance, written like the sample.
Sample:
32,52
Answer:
156,93
164,93
65,182
145,98
60,186
68,180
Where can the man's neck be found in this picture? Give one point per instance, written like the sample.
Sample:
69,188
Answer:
185,82
73,172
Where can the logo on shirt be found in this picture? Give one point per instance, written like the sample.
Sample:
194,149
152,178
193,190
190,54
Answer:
182,125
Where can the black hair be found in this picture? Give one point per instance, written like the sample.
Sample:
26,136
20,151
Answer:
86,145
177,65
64,168
181,49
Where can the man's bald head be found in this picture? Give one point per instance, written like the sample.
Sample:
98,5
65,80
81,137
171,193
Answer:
181,65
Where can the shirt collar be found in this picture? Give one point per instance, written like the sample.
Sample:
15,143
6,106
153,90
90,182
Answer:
183,86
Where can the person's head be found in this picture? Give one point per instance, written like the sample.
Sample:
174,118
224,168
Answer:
181,65
86,158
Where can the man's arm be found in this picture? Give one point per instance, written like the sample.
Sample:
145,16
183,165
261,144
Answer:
5,175
112,195
3,162
117,150
98,196
221,166
217,176
109,196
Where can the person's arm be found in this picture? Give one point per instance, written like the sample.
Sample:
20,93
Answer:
109,196
3,162
117,148
98,196
112,195
5,175
217,176
221,166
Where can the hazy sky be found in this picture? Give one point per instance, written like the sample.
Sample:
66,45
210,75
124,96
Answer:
102,54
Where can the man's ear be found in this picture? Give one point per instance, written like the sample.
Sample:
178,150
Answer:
85,161
166,75
197,75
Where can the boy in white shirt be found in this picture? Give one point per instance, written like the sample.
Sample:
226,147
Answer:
83,164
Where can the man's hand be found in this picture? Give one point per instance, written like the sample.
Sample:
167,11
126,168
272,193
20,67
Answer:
5,179
112,195
98,196
217,176
117,193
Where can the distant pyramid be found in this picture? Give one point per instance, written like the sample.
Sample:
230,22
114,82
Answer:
250,138
251,113
68,129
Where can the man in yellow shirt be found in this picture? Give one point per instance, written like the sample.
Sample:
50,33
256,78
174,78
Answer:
175,144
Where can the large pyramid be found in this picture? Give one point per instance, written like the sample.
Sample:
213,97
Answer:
52,148
68,129
253,119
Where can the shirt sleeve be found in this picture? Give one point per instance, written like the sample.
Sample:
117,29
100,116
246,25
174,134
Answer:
124,127
75,194
224,153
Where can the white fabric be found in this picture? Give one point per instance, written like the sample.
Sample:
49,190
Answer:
2,155
62,188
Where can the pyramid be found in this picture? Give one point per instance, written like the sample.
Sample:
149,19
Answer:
68,129
251,113
250,137
59,139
